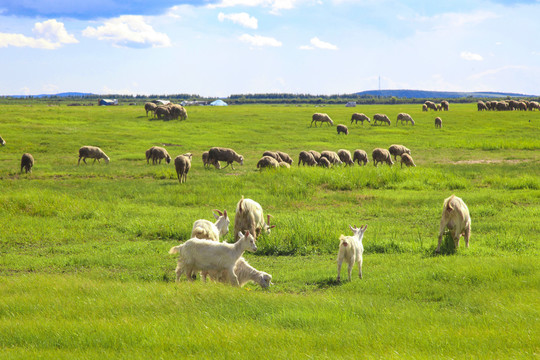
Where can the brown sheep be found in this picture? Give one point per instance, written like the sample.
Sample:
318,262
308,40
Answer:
407,160
207,163
398,150
323,162
438,122
431,105
404,117
345,157
306,158
424,107
149,152
27,162
381,118
323,118
272,154
445,105
381,155
481,105
356,117
316,155
150,107
182,163
159,153
225,154
332,156
342,129
92,152
267,162
285,157
360,156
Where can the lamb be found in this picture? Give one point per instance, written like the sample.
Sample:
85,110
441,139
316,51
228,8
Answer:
92,152
351,250
27,162
159,153
204,229
285,157
203,255
456,218
445,105
332,156
324,162
381,118
225,154
306,158
207,163
246,273
360,155
267,162
323,118
249,216
407,160
431,105
438,122
404,117
345,156
398,150
342,129
2,141
150,107
182,163
316,155
359,117
381,155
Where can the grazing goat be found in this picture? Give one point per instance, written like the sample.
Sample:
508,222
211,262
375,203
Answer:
455,217
245,273
249,216
204,229
351,250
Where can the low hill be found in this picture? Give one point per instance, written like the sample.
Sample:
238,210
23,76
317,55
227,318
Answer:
425,94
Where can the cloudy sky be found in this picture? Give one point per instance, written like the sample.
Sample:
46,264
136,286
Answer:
224,47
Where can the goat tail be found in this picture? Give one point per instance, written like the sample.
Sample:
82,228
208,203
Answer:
175,249
343,240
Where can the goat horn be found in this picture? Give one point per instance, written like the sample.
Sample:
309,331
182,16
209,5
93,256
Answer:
219,212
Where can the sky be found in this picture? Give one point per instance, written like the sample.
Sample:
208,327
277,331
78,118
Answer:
217,48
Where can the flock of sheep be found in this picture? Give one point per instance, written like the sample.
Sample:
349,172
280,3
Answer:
508,105
166,112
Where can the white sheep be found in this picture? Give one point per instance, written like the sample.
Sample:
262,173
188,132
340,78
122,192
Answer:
359,117
455,217
404,117
351,250
92,152
205,229
249,216
203,255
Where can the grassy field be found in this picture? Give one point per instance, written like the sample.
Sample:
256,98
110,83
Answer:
85,273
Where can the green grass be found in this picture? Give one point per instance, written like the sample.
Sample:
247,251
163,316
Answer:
85,273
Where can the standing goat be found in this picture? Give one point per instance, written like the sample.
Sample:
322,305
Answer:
249,216
351,250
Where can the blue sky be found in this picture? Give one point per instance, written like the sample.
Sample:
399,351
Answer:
223,47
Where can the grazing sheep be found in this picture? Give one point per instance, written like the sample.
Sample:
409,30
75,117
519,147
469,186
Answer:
150,107
225,154
439,107
398,150
407,160
381,118
207,163
306,158
360,156
522,106
283,164
272,154
345,157
249,216
285,157
351,250
502,106
445,105
356,117
92,152
204,229
316,155
267,162
381,155
27,162
159,153
182,163
342,129
438,122
246,273
332,156
162,112
431,105
2,141
177,111
324,162
455,217
481,105
424,107
202,255
404,117
149,152
323,118
532,105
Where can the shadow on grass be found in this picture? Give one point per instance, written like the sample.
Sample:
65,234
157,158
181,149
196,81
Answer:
447,247
327,283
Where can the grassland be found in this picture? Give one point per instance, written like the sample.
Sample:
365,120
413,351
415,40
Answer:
84,269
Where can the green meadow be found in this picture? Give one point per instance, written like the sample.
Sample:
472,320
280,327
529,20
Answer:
84,264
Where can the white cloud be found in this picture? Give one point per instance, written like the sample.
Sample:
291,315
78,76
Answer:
257,40
129,31
50,35
242,18
275,5
469,56
317,43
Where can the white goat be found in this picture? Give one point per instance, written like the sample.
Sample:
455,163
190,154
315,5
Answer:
456,218
203,255
204,229
249,216
351,250
245,273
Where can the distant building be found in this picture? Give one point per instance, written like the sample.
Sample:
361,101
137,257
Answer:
106,102
351,104
161,102
192,103
218,102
